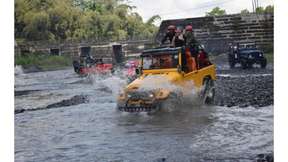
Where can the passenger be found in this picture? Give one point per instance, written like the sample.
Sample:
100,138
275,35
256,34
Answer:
190,61
203,59
155,64
178,39
189,37
169,34
166,62
191,42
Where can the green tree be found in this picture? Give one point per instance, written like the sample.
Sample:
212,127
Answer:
269,9
79,19
260,10
217,11
245,11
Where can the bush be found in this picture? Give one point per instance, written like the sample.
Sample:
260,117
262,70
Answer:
43,61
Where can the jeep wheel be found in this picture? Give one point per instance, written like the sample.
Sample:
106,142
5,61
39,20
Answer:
263,63
244,65
232,64
249,65
208,92
76,66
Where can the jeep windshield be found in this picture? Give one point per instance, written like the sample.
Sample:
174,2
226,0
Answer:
163,60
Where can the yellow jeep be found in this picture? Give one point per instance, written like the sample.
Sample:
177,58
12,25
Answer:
162,75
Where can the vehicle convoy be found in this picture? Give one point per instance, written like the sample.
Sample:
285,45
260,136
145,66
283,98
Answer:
86,64
246,54
92,66
159,66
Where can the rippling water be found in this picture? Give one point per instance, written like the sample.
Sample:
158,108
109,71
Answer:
95,131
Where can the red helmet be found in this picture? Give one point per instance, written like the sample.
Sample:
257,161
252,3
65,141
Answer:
188,28
171,27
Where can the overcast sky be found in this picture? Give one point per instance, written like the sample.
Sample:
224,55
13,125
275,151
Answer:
173,9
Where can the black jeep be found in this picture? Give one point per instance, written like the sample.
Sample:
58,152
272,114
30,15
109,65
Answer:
246,54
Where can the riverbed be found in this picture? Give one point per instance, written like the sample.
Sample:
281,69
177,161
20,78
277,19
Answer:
93,130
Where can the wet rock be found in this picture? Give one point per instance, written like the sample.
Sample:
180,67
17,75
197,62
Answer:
17,111
265,157
243,91
76,100
160,160
24,92
32,69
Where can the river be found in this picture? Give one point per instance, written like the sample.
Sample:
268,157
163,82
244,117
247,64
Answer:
96,131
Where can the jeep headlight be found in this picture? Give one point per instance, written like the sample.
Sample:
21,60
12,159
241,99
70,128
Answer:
151,95
121,96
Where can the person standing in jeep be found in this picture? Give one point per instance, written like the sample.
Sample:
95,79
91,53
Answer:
169,34
190,41
178,39
191,44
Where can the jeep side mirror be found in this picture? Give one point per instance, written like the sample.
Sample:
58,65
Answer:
137,71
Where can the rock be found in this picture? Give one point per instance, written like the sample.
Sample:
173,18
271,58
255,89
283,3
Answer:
265,157
251,90
32,69
76,100
18,111
24,92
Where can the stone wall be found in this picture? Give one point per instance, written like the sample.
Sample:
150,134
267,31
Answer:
217,32
130,48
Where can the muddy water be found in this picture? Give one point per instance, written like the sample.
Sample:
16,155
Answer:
95,131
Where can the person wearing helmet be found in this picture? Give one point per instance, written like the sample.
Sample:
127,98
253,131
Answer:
169,34
203,59
178,39
189,37
191,43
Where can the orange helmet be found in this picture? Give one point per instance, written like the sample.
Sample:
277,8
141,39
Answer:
188,28
171,27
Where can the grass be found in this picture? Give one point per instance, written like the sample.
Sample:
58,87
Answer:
45,62
269,56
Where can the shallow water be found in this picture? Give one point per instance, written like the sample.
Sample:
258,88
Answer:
95,131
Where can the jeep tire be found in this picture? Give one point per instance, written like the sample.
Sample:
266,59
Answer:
208,93
244,64
232,64
263,63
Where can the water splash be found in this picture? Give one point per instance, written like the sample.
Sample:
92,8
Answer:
186,95
18,70
114,82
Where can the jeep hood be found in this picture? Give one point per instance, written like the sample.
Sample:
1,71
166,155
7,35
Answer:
155,81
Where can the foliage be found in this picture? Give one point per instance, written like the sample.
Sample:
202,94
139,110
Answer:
79,19
217,11
267,9
245,11
260,10
36,59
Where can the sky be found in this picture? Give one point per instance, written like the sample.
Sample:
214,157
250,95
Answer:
174,9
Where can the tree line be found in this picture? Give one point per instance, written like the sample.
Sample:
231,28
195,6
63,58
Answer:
79,19
217,11
55,20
